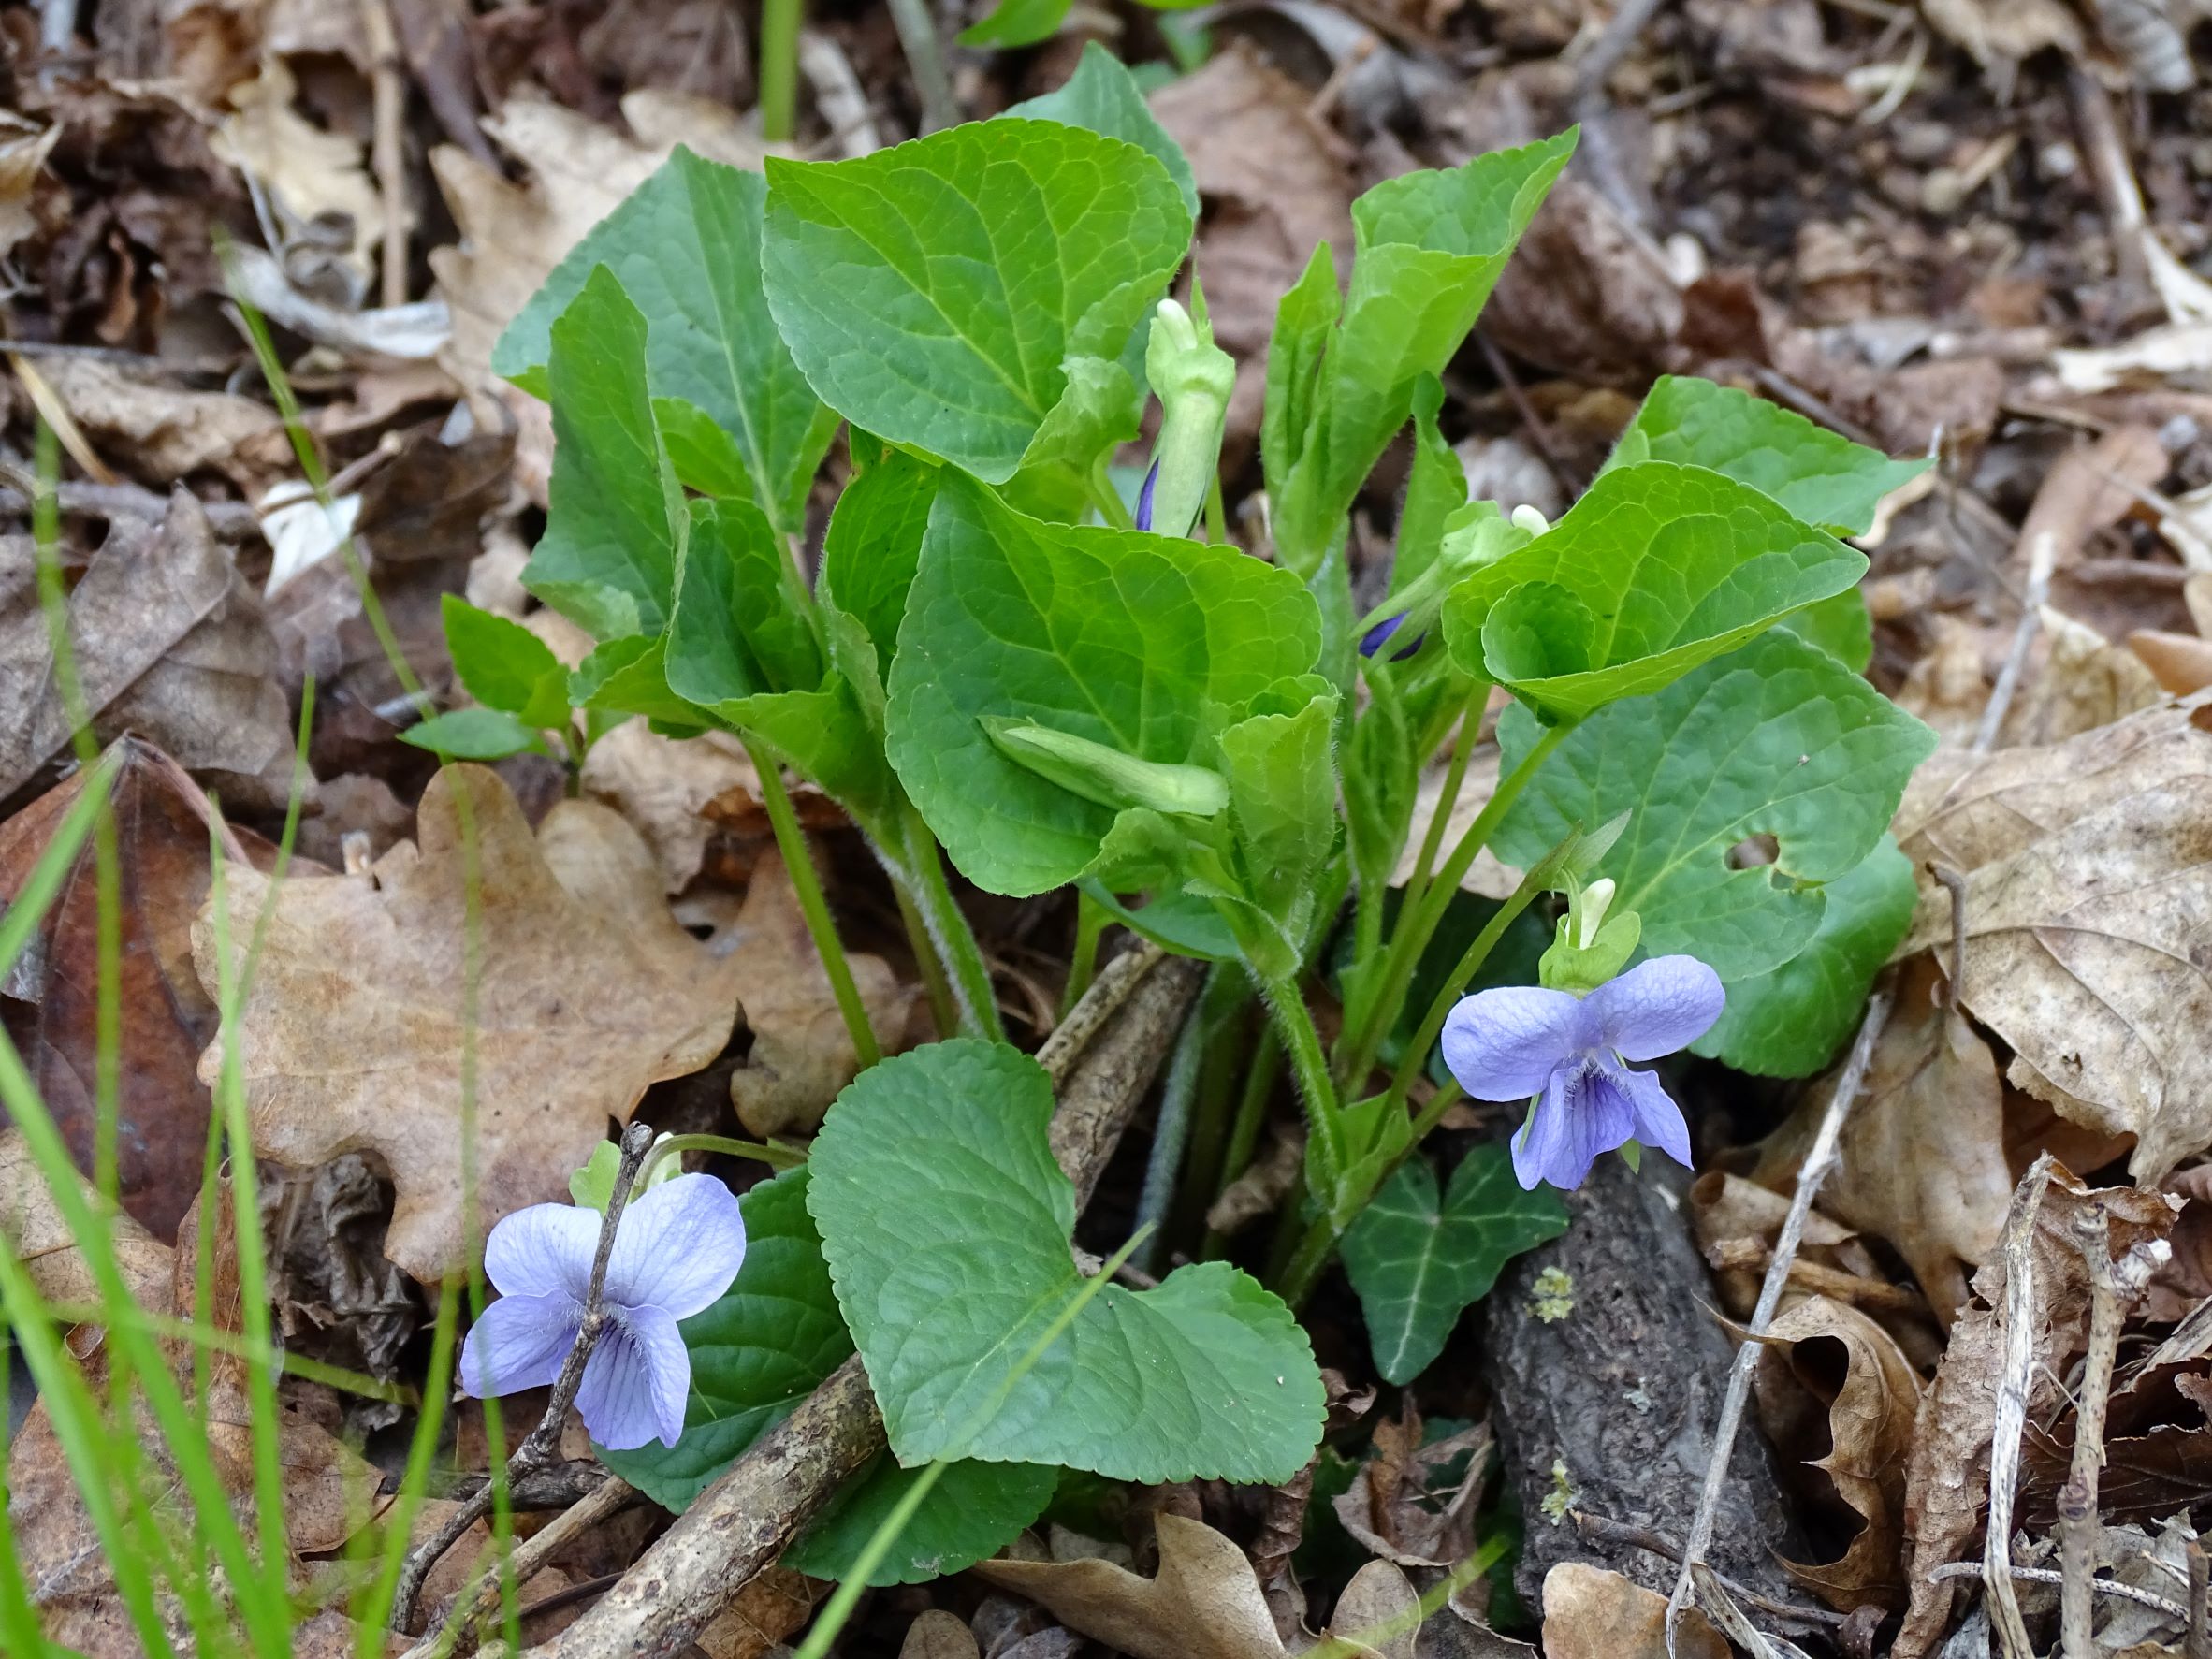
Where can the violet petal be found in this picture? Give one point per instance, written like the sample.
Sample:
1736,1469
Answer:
1504,1043
519,1344
1659,1122
678,1246
545,1250
1657,1007
636,1380
1143,513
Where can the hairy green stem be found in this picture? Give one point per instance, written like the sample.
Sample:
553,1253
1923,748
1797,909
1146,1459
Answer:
1309,1067
780,68
944,1009
1417,925
949,930
668,1146
791,843
1217,1003
1091,920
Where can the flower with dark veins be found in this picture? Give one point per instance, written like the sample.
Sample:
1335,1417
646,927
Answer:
677,1248
1569,1055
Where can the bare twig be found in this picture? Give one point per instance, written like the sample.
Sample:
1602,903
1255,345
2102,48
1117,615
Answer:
2041,558
1539,429
230,522
1955,884
1818,1161
388,154
2077,1500
925,60
2116,190
1602,1529
1713,1597
535,1552
2017,1249
2112,1586
838,95
2198,1644
1753,1255
745,1520
541,1446
1098,1005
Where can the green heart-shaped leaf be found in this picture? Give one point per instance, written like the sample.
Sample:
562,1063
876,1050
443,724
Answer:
947,1224
933,291
1657,569
1419,1260
1777,740
1136,642
974,1511
686,246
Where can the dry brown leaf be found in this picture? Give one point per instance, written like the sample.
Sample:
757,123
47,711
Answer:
25,146
168,643
1949,686
1584,294
2185,1280
1728,1212
939,1635
1404,1503
1947,1481
660,784
512,234
1999,34
1869,1413
1203,1603
1592,1613
802,1053
2180,662
42,1242
163,853
163,433
2075,681
2088,908
351,1038
1487,876
772,1604
1922,1160
1380,1598
311,174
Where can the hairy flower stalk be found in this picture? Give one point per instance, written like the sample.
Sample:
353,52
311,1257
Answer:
676,1251
1569,1056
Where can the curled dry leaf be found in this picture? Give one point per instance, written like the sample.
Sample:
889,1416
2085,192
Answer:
162,854
165,434
2186,1279
351,1035
169,643
1947,1481
1730,1211
802,1053
1414,1504
1870,1410
1922,1160
2088,912
1592,1613
661,784
42,1242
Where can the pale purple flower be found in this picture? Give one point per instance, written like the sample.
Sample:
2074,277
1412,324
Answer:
1570,1054
1144,517
677,1248
1379,636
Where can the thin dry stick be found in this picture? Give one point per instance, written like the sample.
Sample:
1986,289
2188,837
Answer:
1714,1599
2112,1586
1818,1161
1603,1529
388,154
2041,558
2199,1642
1095,1006
2078,1528
743,1521
1955,884
2017,1249
534,1552
543,1444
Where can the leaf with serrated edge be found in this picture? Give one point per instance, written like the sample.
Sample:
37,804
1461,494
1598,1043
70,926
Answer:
933,291
614,517
946,1224
1657,569
1419,1260
1103,96
1778,738
874,544
1790,1021
1821,476
504,666
1117,636
686,246
974,1511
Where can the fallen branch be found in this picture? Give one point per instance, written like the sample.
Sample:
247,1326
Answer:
2112,1586
2078,1531
1818,1163
2017,1249
742,1522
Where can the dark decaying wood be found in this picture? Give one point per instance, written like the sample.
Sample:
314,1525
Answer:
741,1523
1611,1409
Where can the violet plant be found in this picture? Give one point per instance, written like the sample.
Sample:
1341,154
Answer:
997,662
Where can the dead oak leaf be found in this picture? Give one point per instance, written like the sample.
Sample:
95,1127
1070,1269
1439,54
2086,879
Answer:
351,1035
2088,922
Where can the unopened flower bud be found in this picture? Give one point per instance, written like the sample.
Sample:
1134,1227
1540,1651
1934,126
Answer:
1192,378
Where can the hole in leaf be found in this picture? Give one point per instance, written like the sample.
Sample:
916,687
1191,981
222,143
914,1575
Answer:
1753,852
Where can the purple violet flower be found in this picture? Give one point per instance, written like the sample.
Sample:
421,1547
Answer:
1570,1053
1379,636
1143,514
677,1248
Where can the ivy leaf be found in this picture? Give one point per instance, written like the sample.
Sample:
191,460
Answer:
504,666
1777,740
615,517
1821,476
1657,569
947,1223
1429,248
933,293
755,1353
1419,1260
1103,96
874,542
1141,643
1790,1021
475,734
686,245
974,1511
